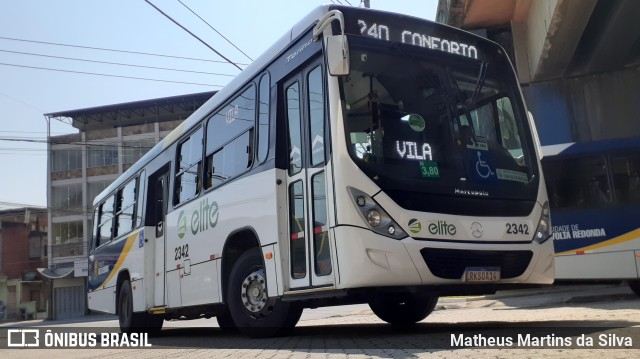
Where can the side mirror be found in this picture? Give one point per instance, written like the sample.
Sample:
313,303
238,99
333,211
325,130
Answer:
337,50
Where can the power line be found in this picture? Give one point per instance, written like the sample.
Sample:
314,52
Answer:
212,28
115,50
192,34
108,75
114,63
22,102
348,2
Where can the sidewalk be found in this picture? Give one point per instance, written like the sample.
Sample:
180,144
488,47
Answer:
93,317
543,297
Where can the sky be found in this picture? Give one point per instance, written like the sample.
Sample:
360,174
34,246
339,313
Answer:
38,75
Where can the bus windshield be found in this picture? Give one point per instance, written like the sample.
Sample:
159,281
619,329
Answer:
436,122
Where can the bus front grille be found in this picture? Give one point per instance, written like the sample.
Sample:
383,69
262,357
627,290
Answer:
451,263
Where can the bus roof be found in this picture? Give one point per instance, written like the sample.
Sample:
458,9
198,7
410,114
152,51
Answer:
592,147
249,72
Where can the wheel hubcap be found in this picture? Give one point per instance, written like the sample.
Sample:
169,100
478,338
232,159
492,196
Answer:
254,292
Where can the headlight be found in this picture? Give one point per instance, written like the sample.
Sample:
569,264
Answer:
543,232
376,217
373,217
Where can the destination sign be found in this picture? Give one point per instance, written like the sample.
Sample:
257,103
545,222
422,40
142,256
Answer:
413,31
381,32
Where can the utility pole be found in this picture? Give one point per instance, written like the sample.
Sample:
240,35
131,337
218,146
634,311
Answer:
367,3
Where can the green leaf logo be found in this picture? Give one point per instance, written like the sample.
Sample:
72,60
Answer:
182,225
415,226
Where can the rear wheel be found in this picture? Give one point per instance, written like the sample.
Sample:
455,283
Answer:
135,322
253,312
635,286
402,309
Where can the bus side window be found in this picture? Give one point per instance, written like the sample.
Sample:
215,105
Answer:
158,209
230,138
125,208
626,177
579,183
189,158
105,225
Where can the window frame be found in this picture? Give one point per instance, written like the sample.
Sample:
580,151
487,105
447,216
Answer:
310,117
118,212
176,200
98,210
99,226
101,148
615,198
260,137
579,188
253,141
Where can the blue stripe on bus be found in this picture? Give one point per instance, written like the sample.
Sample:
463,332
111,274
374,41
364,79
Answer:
104,263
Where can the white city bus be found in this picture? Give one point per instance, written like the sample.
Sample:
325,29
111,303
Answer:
366,157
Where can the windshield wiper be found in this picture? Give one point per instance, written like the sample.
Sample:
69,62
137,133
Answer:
479,84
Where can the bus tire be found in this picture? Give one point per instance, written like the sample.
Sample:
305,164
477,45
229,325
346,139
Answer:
402,309
225,322
252,311
135,322
635,286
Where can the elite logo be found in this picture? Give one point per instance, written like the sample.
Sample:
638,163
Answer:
442,228
203,218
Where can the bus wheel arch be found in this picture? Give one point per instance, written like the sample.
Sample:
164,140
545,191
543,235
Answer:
122,276
131,321
237,243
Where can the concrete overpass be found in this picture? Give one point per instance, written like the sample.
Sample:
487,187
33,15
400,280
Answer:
578,61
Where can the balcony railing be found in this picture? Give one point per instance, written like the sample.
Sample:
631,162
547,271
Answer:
67,250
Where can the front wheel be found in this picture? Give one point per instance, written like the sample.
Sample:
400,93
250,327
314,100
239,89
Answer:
135,322
635,286
225,322
253,312
402,309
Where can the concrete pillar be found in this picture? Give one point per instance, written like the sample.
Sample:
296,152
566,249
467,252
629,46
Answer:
546,38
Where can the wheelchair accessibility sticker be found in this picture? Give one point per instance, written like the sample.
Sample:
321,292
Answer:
481,164
484,169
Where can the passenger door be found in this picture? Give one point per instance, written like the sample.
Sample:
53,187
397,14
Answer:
157,198
307,187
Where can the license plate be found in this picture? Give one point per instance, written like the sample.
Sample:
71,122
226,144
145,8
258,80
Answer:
482,274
